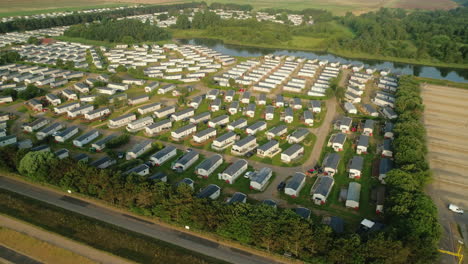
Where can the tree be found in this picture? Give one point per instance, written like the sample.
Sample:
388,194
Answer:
60,63
183,22
9,57
121,68
101,100
33,40
162,17
115,78
30,92
232,82
70,65
128,40
36,165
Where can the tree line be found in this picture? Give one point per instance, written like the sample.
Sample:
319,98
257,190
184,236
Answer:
125,31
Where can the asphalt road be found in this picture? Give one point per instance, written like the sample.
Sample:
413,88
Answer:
15,257
186,240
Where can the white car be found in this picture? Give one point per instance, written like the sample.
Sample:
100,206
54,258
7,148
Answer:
248,174
455,209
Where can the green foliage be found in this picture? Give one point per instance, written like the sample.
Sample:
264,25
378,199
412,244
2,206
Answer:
162,17
202,20
183,22
118,141
9,57
230,6
33,40
115,78
127,31
121,68
30,92
69,65
37,165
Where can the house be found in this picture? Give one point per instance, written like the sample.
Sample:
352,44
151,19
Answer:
183,132
298,136
98,113
229,96
122,120
101,144
49,130
308,118
203,117
158,127
151,87
368,128
184,162
219,121
103,162
65,108
184,114
86,138
385,166
69,95
350,108
138,99
165,154
62,153
294,185
379,199
245,98
8,140
164,112
204,135
277,131
256,127
75,112
35,105
354,193
355,167
224,141
209,165
269,112
269,149
388,130
66,134
53,99
238,197
149,108
330,164
387,149
337,141
211,191
250,110
35,125
288,115
141,170
236,169
344,124
238,124
139,149
212,94
362,144
166,88
233,107
244,145
321,189
139,124
292,153
315,106
259,180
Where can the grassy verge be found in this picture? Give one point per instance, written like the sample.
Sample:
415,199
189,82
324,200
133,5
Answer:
39,7
442,82
38,249
100,235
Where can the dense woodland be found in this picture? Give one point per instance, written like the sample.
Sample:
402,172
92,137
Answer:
124,31
410,236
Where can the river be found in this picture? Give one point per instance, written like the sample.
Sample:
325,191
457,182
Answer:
451,74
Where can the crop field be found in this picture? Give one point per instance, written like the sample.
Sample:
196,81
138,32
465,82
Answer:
446,119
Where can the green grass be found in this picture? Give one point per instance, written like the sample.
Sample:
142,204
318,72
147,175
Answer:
97,234
31,7
441,82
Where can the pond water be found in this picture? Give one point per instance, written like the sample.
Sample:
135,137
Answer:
451,74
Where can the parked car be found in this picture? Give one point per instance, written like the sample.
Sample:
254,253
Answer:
281,186
248,174
120,155
455,209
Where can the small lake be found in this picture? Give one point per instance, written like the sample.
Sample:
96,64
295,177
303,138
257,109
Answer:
451,74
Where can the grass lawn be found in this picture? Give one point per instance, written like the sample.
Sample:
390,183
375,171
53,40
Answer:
39,249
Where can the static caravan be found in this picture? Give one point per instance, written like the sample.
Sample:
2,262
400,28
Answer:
209,165
238,197
98,113
245,98
141,170
229,96
344,124
355,167
288,115
149,108
103,162
224,141
269,149
66,134
385,166
368,128
292,153
321,189
86,138
101,144
164,112
183,132
158,127
353,196
212,94
387,149
196,102
184,114
62,153
269,112
362,144
388,130
256,127
121,121
233,107
139,149
69,95
244,145
215,105
139,124
330,163
165,154
298,136
277,131
250,110
259,180
35,125
65,108
308,118
294,185
204,135
219,121
315,106
337,141
166,88
203,117
49,130
53,99
8,140
211,191
151,87
184,162
236,169
138,99
79,111
238,124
